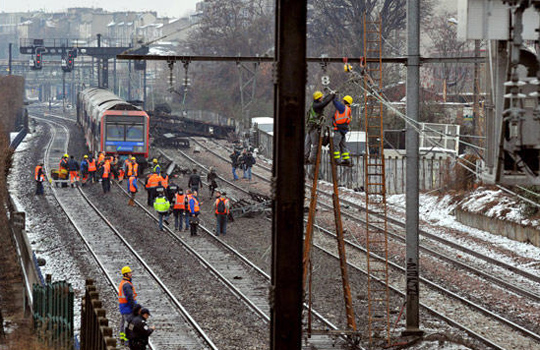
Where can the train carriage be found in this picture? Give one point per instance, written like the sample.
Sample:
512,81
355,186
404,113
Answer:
112,125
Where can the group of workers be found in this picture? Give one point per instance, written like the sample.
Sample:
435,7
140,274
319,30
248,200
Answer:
316,120
242,161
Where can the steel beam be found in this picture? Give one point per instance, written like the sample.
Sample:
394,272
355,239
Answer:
288,175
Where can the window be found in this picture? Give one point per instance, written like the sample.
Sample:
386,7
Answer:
134,133
115,132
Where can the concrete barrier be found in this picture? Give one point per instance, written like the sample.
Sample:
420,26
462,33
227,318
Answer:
499,227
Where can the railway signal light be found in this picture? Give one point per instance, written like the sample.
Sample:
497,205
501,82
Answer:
38,60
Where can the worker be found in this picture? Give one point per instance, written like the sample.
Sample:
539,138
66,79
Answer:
152,182
315,122
129,320
170,191
211,178
127,299
162,206
234,163
39,175
92,169
132,167
341,121
64,162
164,179
221,206
141,331
156,167
194,212
101,158
73,167
248,161
84,169
195,181
106,175
132,188
63,169
179,209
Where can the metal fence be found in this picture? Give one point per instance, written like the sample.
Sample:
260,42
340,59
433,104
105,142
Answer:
95,331
53,314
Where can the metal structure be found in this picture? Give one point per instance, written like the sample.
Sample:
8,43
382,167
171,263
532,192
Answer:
308,240
375,186
247,73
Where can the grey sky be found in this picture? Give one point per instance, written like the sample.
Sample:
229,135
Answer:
168,8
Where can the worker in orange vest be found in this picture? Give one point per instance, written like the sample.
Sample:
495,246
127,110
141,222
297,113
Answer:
39,175
132,188
92,168
106,175
341,121
152,182
179,209
194,211
222,211
101,158
127,299
132,167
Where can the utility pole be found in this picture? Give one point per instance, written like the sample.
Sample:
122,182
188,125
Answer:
9,64
412,200
476,109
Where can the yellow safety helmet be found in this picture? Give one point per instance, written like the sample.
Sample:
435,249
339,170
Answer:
126,269
133,158
317,95
66,155
154,161
85,156
347,68
348,99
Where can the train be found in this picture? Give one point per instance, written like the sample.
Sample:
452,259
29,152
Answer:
113,125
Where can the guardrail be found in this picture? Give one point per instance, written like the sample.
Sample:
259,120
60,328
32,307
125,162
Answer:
53,313
18,139
95,331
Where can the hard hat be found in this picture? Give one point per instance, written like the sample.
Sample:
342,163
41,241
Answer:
133,158
348,99
125,270
317,95
66,155
85,156
347,67
154,160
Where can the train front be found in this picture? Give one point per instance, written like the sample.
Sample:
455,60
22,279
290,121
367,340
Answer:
125,132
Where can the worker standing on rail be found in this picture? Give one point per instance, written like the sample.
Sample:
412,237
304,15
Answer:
179,208
162,206
92,169
156,167
195,181
132,188
141,331
127,299
106,175
341,121
194,211
84,169
39,175
315,122
73,167
211,178
234,163
152,182
222,211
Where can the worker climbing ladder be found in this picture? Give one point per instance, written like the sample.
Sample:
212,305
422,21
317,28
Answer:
375,185
308,242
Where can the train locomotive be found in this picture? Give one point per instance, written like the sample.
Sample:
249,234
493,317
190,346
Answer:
112,125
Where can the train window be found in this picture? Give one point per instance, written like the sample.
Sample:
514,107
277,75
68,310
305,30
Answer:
134,133
115,132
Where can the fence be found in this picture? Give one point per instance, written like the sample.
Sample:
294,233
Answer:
53,313
95,331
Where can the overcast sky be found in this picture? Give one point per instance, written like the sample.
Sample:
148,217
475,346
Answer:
168,8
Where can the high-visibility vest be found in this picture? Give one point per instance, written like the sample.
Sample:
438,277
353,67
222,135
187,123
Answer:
132,169
132,184
164,181
195,204
342,120
161,205
180,201
92,165
121,297
157,169
40,177
224,200
106,169
153,181
101,157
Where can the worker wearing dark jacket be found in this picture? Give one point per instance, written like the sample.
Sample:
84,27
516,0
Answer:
129,320
195,181
127,298
73,168
235,163
315,122
341,121
141,331
211,178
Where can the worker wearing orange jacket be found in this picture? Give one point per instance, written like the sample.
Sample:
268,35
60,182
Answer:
152,182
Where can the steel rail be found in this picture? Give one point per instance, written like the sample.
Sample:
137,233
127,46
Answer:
172,298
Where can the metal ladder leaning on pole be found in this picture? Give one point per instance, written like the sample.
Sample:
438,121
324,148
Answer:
308,240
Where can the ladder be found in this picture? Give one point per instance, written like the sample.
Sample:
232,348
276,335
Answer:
308,240
375,186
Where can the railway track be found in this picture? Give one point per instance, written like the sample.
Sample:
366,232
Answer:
502,325
111,251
